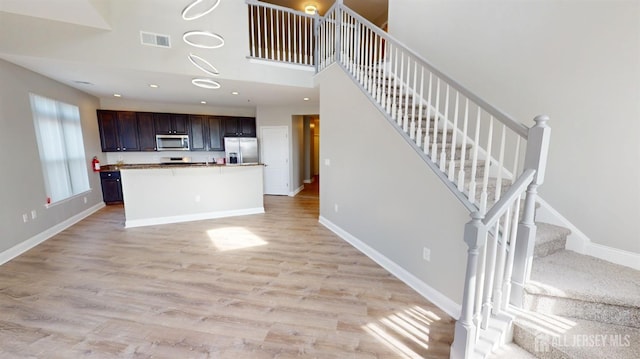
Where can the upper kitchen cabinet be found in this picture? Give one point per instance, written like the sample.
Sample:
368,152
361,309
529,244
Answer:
118,131
171,123
197,132
240,127
146,131
206,133
215,133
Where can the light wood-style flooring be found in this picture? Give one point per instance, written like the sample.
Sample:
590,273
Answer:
277,285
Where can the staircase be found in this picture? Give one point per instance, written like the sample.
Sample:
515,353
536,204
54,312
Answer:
493,165
577,306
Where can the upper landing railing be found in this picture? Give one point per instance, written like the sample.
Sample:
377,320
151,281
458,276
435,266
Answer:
489,161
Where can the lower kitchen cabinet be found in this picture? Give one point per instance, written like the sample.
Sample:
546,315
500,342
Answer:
111,187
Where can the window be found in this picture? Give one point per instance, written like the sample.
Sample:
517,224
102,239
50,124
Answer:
61,148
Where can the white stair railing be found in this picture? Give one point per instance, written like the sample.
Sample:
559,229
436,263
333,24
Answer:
280,34
489,161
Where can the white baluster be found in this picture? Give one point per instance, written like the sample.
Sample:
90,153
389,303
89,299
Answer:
400,97
252,40
419,137
405,122
381,68
500,262
374,68
394,98
463,155
428,119
434,146
492,249
452,165
516,157
412,129
506,291
487,163
500,166
445,123
481,273
474,161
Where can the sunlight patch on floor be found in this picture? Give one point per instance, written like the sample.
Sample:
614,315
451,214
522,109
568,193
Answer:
232,238
405,332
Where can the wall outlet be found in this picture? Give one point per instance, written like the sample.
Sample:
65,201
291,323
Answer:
85,200
198,198
327,162
335,207
426,254
25,218
34,214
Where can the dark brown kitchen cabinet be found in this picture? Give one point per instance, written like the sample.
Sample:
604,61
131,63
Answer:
206,133
171,123
240,127
215,133
118,131
146,131
197,133
111,187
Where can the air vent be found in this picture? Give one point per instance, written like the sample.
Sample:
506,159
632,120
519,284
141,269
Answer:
151,39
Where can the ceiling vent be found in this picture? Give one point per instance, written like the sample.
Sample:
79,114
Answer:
151,39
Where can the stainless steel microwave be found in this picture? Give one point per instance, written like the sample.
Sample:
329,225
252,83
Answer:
172,142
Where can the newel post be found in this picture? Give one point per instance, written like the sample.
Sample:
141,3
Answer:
475,235
535,158
316,36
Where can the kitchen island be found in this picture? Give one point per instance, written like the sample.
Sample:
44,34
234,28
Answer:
159,194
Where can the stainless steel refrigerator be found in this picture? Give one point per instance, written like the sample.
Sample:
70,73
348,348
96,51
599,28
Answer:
241,150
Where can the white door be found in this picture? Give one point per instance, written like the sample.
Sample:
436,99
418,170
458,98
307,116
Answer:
275,156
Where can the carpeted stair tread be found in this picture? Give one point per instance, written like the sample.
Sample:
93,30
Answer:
550,239
549,336
572,275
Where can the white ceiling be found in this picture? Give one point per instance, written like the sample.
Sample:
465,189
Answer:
98,41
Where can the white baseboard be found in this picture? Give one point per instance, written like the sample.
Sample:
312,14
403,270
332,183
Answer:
578,242
191,217
296,191
24,246
440,300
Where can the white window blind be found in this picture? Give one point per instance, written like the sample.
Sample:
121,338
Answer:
61,147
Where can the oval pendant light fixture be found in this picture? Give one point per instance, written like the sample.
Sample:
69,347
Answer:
203,39
203,65
190,13
206,83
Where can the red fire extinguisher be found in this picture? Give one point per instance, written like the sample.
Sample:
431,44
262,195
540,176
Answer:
95,163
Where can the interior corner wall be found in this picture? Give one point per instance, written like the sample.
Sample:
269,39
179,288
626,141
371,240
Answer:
376,188
576,61
22,188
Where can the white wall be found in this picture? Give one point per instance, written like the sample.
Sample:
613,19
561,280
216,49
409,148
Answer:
578,62
386,196
285,116
22,187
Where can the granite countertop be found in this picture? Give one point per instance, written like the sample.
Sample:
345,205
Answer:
111,168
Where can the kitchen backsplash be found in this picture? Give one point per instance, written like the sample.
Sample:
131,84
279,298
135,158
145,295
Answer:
154,157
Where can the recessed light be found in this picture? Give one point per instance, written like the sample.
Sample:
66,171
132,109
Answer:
235,93
117,95
154,86
203,39
203,102
203,65
206,83
306,99
197,15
